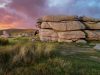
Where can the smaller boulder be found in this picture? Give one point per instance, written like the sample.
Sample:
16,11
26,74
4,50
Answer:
81,41
33,40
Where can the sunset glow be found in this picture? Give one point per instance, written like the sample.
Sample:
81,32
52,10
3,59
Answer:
23,14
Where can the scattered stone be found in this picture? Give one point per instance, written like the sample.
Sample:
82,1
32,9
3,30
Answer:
33,40
97,47
5,34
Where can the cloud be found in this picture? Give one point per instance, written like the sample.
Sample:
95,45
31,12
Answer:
75,7
23,13
33,8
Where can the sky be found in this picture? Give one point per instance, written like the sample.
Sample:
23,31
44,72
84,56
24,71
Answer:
24,13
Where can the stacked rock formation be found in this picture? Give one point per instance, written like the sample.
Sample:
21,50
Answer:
68,28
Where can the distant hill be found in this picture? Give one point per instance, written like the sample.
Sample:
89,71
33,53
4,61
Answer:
15,31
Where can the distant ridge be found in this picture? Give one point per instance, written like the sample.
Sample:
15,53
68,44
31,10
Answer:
13,31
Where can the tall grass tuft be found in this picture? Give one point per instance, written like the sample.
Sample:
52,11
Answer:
25,54
43,49
56,66
32,52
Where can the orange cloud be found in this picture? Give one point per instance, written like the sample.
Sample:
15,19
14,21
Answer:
14,19
6,26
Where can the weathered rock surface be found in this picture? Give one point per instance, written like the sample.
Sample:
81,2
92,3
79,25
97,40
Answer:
89,19
58,18
93,34
45,25
75,25
48,33
71,35
58,26
64,26
92,25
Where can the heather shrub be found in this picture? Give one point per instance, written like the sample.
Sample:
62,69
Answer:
4,41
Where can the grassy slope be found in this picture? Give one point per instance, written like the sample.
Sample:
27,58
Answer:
41,58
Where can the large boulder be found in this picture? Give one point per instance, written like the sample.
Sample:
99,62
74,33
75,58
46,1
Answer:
69,35
64,26
92,25
59,18
93,34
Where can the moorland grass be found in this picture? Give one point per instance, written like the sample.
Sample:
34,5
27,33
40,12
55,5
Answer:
48,58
